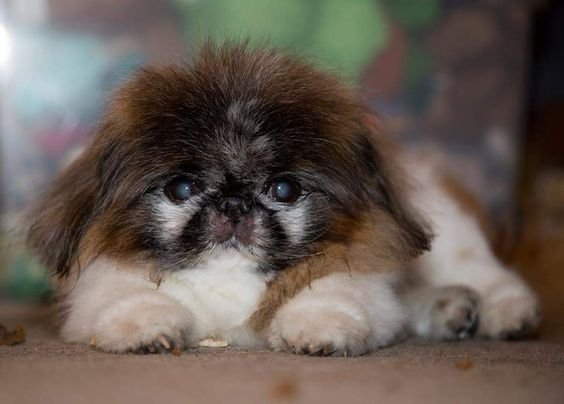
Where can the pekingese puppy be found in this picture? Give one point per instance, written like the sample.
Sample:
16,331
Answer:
249,198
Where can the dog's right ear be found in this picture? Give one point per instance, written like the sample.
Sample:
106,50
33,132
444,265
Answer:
58,223
60,219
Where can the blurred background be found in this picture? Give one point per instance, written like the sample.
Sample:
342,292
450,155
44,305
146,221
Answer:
478,82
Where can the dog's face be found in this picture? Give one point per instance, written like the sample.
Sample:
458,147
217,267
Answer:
245,150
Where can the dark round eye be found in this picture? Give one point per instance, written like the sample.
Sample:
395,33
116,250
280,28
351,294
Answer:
284,190
181,189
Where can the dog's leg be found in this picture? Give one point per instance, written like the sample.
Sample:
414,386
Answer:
118,310
461,257
341,314
446,313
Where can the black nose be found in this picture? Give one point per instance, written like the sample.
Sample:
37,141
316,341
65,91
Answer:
235,206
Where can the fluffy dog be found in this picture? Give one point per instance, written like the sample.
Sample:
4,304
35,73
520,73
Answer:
249,198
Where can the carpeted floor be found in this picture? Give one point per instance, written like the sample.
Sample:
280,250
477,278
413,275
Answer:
44,370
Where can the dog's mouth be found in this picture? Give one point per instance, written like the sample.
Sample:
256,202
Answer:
234,243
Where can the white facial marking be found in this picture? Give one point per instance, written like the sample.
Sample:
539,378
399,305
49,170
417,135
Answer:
173,217
294,219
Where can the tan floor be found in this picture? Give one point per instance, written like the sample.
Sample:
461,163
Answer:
44,370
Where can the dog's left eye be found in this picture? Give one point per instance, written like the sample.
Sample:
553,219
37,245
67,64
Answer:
284,190
181,189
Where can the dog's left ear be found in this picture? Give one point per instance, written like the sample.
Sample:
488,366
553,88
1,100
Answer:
387,185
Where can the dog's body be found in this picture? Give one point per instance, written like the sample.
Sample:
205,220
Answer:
249,199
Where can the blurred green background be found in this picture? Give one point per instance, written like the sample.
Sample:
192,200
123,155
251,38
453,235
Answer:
445,74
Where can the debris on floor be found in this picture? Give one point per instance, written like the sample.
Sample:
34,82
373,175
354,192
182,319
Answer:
464,364
285,388
12,337
213,343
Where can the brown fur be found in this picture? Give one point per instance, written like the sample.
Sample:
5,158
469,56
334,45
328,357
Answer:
377,245
152,124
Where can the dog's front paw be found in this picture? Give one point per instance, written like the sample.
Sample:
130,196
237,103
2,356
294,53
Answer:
509,313
320,332
142,327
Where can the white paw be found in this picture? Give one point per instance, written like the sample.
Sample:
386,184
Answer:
509,312
446,314
454,313
320,331
142,324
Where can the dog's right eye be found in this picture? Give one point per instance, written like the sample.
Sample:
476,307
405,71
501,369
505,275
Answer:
284,190
181,189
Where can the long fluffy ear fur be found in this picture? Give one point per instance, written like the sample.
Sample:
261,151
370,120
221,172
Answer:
60,219
387,179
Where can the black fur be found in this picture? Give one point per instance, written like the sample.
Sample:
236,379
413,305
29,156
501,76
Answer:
234,121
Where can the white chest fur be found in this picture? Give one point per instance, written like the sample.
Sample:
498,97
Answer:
222,292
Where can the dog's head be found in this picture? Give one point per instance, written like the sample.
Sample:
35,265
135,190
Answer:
245,149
